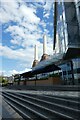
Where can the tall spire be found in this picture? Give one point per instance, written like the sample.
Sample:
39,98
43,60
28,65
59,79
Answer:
44,44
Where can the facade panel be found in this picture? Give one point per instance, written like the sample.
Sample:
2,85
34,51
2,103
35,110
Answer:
72,24
68,26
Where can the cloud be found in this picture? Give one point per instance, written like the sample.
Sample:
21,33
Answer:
29,14
15,42
46,15
48,5
8,52
26,31
13,72
15,30
15,11
9,11
23,37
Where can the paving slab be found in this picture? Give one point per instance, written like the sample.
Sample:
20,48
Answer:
9,113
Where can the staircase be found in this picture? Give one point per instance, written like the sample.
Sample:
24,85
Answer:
43,107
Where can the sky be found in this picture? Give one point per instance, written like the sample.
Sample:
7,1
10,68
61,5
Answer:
22,25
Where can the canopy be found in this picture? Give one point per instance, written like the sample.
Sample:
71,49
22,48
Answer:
44,69
26,74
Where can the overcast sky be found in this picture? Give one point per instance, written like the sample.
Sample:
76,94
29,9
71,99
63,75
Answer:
23,26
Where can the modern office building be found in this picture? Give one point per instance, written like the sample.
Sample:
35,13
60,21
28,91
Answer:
68,30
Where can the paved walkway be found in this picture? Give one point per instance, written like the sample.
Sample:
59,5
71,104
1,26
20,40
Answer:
8,112
0,106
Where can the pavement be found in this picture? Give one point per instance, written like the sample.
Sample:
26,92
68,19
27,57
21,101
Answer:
0,106
6,111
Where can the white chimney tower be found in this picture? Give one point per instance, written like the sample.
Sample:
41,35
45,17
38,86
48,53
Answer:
44,44
57,44
35,53
45,55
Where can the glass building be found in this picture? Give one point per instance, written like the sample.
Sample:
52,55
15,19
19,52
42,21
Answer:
68,31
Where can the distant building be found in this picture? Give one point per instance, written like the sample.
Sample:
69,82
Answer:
10,79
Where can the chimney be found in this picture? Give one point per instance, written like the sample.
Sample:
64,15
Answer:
45,55
35,62
57,47
44,44
35,53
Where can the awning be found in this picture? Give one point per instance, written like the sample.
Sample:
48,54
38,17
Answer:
27,74
45,69
51,61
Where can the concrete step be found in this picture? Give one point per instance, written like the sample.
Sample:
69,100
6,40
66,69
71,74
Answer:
72,103
25,111
48,109
8,112
45,88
